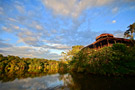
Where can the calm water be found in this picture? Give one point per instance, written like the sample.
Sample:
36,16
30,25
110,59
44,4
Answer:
42,81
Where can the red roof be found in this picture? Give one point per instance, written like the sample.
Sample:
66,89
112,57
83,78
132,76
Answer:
103,35
106,36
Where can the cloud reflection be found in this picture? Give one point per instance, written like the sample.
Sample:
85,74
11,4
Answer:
39,83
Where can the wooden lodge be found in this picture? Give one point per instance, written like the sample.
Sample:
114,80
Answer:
108,40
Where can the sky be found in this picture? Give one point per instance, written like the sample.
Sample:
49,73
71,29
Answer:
45,28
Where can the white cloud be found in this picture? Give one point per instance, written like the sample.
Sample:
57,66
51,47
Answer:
28,51
132,7
10,28
1,10
57,46
16,27
36,25
114,21
54,31
3,45
12,19
115,10
73,7
39,27
6,29
20,8
13,27
119,34
28,37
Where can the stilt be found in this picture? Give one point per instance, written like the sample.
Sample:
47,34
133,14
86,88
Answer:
100,45
115,41
108,42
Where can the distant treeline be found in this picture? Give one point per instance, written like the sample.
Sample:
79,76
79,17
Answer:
11,63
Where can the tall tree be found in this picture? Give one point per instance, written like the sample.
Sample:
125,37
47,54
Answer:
67,56
130,31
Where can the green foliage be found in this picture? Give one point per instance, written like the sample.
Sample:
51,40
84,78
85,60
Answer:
63,67
9,64
119,47
115,60
67,56
130,31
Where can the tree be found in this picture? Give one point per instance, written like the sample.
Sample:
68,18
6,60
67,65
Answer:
1,57
12,63
68,55
130,31
75,50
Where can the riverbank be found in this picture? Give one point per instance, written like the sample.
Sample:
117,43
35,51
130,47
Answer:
118,60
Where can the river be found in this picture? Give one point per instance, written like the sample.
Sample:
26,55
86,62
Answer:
34,81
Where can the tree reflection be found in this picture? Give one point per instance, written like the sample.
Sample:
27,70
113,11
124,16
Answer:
21,74
76,81
72,81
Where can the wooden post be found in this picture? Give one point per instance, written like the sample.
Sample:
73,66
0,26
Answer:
115,41
100,45
108,42
121,41
94,46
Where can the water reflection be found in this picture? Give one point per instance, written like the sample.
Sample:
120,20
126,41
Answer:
45,81
76,81
38,83
10,76
91,82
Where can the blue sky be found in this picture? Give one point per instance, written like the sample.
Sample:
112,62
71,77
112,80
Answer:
45,28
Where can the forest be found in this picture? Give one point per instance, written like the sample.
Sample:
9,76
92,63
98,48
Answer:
12,67
14,63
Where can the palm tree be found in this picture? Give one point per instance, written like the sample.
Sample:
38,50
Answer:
130,31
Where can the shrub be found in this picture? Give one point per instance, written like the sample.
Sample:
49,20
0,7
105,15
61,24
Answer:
119,46
115,60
